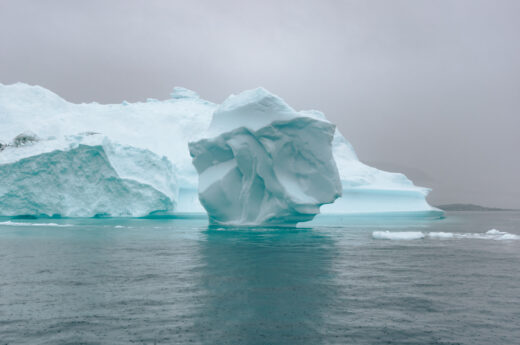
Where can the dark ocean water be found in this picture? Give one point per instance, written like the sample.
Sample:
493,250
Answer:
117,281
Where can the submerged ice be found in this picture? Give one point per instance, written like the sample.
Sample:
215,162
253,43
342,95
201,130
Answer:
267,165
35,123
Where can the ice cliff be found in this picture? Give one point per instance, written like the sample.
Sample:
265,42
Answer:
266,164
84,176
158,130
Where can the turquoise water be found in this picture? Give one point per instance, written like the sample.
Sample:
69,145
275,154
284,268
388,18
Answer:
124,281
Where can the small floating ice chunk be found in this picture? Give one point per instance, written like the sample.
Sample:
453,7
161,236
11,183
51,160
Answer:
502,235
440,235
492,234
495,232
402,235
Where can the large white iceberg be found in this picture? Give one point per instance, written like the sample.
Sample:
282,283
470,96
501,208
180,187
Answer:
267,164
84,176
165,128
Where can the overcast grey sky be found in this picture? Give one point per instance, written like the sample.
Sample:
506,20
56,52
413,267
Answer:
428,88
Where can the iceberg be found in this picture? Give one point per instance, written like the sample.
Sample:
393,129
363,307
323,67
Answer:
267,165
84,176
164,128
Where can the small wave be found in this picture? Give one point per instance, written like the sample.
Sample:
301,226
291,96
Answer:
10,223
119,227
492,234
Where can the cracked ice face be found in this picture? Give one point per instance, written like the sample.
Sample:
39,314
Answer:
279,174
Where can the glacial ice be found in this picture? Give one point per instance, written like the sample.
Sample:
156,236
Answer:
165,127
84,176
267,165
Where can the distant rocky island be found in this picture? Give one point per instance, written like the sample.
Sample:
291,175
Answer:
470,207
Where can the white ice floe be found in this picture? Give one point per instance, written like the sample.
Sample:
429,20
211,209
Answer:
492,234
440,235
401,235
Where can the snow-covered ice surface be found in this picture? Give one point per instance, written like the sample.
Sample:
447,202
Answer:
492,234
267,165
165,127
